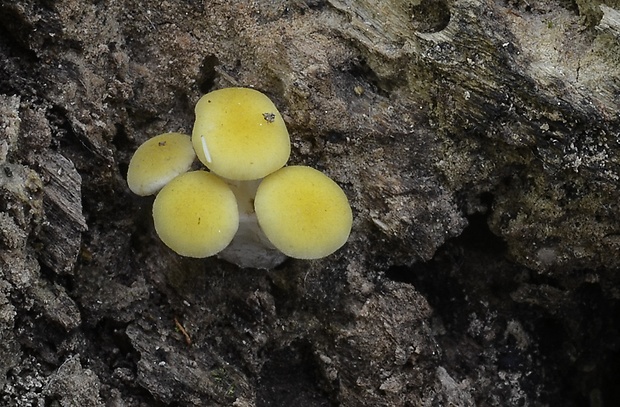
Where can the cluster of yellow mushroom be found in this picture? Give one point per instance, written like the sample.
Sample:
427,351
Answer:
248,207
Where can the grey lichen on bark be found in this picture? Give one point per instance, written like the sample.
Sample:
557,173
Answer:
521,105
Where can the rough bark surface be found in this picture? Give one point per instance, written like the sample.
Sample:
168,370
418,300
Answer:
478,143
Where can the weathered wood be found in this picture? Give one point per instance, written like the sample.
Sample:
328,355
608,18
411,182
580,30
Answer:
64,222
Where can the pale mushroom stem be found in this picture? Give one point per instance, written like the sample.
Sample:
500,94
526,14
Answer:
250,248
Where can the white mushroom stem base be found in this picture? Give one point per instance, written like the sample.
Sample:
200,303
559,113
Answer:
250,248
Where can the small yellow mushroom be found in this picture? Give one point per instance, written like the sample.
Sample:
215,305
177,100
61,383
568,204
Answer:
158,161
303,213
239,134
196,214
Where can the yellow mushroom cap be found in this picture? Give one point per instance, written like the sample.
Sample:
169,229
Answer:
158,161
196,214
303,212
239,134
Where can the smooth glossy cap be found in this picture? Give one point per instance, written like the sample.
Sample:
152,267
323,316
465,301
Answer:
158,161
303,212
196,214
239,134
